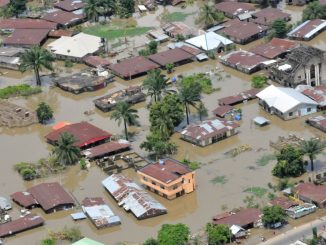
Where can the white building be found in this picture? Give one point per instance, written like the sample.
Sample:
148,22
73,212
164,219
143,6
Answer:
287,103
210,41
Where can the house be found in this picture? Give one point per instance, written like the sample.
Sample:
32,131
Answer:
21,224
304,65
132,197
26,38
287,103
238,232
283,202
244,61
276,48
245,218
87,241
76,47
9,25
132,67
64,19
51,197
5,204
209,131
175,29
107,149
99,213
318,122
69,5
10,57
86,135
210,41
308,30
301,210
267,16
223,111
242,32
96,61
175,56
318,93
239,98
311,193
60,33
168,178
233,9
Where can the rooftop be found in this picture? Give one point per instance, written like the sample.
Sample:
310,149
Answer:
60,33
316,193
317,93
243,59
96,61
209,41
12,24
69,5
107,149
26,37
221,111
11,51
238,98
24,199
63,17
242,218
234,8
175,28
308,29
283,202
87,241
318,122
101,215
170,56
267,16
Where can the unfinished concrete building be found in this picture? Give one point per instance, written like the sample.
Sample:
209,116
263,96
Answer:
304,65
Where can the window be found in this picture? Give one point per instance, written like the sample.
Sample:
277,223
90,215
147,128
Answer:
144,178
308,109
290,114
175,187
189,181
162,187
153,183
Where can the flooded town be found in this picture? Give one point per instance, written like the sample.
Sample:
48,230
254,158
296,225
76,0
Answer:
162,122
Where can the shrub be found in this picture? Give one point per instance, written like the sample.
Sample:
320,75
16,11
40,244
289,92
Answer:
68,63
44,112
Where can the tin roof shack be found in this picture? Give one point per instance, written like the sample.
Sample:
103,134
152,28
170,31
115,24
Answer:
9,25
244,61
168,178
26,38
5,204
173,29
9,57
87,135
69,5
317,93
245,218
233,9
243,32
99,213
276,48
209,131
22,224
287,103
308,30
210,41
107,149
304,65
267,16
301,210
82,82
64,19
175,56
239,98
311,193
76,47
284,202
318,122
223,111
131,95
133,67
24,199
133,197
87,241
96,61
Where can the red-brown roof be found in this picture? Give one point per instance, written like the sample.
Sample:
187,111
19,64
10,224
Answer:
268,15
4,3
133,66
316,193
92,201
69,5
234,8
166,170
318,122
242,218
24,199
63,17
26,37
236,29
27,24
317,94
60,33
84,133
170,56
221,111
22,224
50,195
306,27
283,202
243,59
106,149
96,61
274,48
175,28
191,50
234,99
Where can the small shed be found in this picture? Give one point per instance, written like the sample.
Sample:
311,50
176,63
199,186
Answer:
5,203
261,121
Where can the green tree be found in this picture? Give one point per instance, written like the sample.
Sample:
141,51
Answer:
35,59
258,81
109,7
150,241
155,84
273,215
44,112
65,150
48,241
126,8
202,111
218,234
312,148
173,234
208,16
289,163
280,28
124,112
314,10
152,47
94,9
169,67
17,7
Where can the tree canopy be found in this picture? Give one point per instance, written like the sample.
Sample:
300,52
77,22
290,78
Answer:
280,28
258,81
44,112
273,215
312,148
65,151
155,84
208,16
218,234
314,10
177,234
17,7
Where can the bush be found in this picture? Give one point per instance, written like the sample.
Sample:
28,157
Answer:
272,215
68,63
258,81
201,78
173,234
83,164
218,234
192,165
48,241
18,90
44,112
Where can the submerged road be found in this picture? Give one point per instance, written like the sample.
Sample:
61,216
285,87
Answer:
297,233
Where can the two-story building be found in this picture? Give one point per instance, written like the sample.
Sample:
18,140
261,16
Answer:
168,178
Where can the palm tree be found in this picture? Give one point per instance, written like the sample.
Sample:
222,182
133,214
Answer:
94,9
312,148
189,95
35,59
155,84
122,111
202,111
163,123
65,150
109,7
208,16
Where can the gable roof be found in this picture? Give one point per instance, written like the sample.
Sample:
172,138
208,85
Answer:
26,37
209,41
308,28
69,5
63,17
170,56
267,16
13,24
234,8
241,218
314,192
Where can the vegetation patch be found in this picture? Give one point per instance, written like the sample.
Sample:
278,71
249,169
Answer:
256,190
204,81
265,159
192,165
219,180
176,16
18,90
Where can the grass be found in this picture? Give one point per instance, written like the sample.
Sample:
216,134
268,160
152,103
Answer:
219,180
264,160
176,16
18,90
256,190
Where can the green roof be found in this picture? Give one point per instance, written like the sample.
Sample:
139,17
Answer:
87,241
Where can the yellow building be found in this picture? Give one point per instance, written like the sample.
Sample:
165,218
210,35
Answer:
168,178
